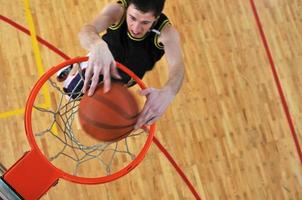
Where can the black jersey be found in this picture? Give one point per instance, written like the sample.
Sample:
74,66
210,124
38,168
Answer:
137,54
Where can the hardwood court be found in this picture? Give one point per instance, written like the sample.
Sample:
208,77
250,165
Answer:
227,128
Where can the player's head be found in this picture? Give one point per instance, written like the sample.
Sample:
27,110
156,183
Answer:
141,15
145,6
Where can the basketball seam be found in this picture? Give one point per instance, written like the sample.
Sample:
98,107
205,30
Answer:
130,99
102,125
121,136
114,107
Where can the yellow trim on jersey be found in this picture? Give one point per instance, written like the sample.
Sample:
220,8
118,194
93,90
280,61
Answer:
123,2
117,25
156,43
136,39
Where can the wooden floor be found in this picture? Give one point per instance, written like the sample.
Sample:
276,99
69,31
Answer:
227,128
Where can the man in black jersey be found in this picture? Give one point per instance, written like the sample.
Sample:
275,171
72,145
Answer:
137,35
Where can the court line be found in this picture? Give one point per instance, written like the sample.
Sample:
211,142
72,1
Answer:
177,168
155,140
277,81
17,111
40,40
37,53
34,41
11,113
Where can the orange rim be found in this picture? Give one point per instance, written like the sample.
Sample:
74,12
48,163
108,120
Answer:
60,173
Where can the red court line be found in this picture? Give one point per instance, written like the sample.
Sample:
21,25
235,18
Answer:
155,140
277,80
42,41
179,171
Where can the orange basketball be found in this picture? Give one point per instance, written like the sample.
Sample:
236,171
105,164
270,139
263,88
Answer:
110,116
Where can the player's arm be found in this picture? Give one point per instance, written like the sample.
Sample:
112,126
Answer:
159,99
100,59
89,34
170,39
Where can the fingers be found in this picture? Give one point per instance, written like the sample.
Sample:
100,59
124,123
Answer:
152,120
146,115
146,92
140,122
88,75
114,72
156,104
106,79
146,118
94,84
93,72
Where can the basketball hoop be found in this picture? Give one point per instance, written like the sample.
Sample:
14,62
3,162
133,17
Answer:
60,148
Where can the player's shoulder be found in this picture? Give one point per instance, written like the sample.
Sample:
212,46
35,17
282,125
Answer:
115,7
169,34
113,12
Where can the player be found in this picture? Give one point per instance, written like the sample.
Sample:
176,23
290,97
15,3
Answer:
137,35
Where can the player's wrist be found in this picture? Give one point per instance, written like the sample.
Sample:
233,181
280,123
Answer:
169,90
97,44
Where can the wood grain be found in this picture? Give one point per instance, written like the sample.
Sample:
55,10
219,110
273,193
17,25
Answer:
226,128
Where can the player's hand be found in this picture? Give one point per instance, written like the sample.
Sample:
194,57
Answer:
157,102
100,62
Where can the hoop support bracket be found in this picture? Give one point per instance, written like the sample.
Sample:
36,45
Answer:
31,176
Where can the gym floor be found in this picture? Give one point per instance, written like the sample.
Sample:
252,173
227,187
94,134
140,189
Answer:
234,128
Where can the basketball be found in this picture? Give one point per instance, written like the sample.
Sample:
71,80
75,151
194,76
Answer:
109,116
